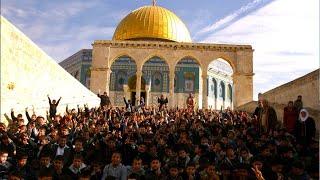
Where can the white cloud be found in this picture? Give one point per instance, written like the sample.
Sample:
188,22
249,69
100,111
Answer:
50,28
228,19
199,19
60,50
72,42
285,36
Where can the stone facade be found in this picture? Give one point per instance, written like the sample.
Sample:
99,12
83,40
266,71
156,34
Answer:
28,74
155,80
105,52
155,74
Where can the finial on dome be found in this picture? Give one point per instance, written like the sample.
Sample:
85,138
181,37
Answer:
154,2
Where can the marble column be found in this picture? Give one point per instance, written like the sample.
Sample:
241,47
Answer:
108,74
204,90
138,86
171,88
147,100
126,92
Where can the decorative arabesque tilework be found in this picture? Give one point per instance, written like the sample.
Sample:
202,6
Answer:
157,69
122,68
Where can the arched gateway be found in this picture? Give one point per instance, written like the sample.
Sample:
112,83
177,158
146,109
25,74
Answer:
153,33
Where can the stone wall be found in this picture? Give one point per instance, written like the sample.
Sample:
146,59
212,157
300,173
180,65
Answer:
250,107
28,74
307,86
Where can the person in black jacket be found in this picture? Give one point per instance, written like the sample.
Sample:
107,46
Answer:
5,165
104,99
267,117
162,102
141,104
53,107
128,104
77,167
173,172
190,172
62,149
23,167
33,116
59,172
155,170
7,146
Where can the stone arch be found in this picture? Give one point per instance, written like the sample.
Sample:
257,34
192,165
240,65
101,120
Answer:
115,58
189,77
151,71
148,57
188,57
223,60
152,57
227,58
124,72
185,57
122,56
222,69
230,61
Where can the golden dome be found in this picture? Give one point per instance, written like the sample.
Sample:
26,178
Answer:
152,22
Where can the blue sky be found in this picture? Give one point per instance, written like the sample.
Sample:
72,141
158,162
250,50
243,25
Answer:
284,33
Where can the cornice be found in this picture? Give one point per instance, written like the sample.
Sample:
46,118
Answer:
173,45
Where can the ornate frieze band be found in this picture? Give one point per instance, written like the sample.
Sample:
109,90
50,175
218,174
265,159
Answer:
173,45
